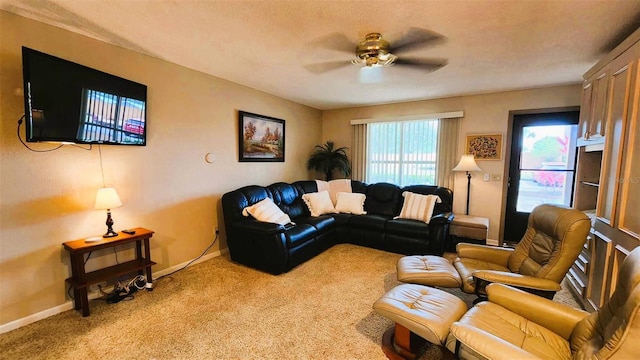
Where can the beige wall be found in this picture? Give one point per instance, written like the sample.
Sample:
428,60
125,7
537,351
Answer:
488,113
166,186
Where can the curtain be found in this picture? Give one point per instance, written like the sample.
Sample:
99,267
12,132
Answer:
447,148
359,152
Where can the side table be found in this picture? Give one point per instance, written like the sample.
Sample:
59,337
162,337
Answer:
81,280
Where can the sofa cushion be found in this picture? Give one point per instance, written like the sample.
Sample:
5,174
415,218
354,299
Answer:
341,219
408,227
322,223
417,206
299,234
288,198
350,203
319,203
267,211
369,222
383,199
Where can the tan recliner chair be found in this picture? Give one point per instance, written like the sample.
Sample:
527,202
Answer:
513,324
553,240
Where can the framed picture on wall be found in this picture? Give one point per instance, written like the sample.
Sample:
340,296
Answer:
484,146
261,138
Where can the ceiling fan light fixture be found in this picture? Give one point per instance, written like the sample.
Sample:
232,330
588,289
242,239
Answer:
371,75
373,51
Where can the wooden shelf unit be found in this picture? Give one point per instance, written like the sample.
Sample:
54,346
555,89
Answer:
607,171
81,280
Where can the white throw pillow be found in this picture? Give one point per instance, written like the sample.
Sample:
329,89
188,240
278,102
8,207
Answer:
350,203
336,186
319,203
417,206
267,211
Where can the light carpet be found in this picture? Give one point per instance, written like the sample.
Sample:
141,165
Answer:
222,310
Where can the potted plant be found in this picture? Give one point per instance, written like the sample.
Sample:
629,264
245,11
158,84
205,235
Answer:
326,159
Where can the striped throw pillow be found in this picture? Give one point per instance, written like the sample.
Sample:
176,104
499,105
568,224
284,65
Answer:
418,206
267,211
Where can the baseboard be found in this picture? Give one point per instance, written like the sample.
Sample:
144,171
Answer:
94,295
171,269
493,242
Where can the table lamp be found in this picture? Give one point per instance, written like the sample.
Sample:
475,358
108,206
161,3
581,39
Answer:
107,199
468,164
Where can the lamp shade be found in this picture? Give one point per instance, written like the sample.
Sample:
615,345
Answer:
107,198
467,163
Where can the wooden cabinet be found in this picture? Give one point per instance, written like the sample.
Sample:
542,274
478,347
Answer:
593,112
609,118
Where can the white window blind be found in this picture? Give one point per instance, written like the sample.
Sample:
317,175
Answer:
402,152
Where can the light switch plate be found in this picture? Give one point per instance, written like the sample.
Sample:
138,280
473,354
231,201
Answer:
486,177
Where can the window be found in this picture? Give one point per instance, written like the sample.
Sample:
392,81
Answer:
402,152
111,118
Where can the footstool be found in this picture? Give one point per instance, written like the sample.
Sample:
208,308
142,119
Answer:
428,270
417,310
467,228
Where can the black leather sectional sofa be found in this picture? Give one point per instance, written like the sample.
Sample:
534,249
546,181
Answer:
278,248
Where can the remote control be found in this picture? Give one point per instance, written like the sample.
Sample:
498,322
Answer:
130,232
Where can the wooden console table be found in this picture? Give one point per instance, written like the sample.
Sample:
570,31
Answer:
80,280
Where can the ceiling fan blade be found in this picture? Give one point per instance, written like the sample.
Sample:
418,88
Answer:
422,64
320,68
415,38
335,41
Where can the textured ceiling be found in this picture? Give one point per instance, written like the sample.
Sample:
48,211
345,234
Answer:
491,45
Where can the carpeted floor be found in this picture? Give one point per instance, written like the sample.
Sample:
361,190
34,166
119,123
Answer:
221,310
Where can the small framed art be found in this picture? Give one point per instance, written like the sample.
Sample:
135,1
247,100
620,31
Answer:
484,146
261,138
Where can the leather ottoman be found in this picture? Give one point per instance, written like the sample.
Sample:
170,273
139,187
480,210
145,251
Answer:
428,270
417,310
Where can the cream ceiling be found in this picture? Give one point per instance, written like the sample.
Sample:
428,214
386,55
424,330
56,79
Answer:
491,45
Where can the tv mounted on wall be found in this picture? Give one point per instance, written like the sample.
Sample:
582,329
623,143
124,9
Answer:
68,102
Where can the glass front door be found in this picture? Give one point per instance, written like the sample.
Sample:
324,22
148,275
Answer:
542,166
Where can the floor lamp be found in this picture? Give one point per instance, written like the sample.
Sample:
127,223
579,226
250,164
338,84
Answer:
468,164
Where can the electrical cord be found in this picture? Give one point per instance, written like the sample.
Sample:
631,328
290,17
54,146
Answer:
47,150
191,262
27,146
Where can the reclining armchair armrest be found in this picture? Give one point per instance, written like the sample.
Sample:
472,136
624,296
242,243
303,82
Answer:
442,219
557,317
260,227
486,344
492,254
517,280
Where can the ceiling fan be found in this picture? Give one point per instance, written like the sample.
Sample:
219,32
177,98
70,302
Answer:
375,52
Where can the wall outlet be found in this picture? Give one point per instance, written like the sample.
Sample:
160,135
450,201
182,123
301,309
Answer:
496,177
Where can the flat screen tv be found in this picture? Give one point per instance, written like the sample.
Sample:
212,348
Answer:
68,102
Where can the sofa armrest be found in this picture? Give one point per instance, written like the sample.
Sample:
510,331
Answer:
492,254
557,317
438,233
441,219
259,226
